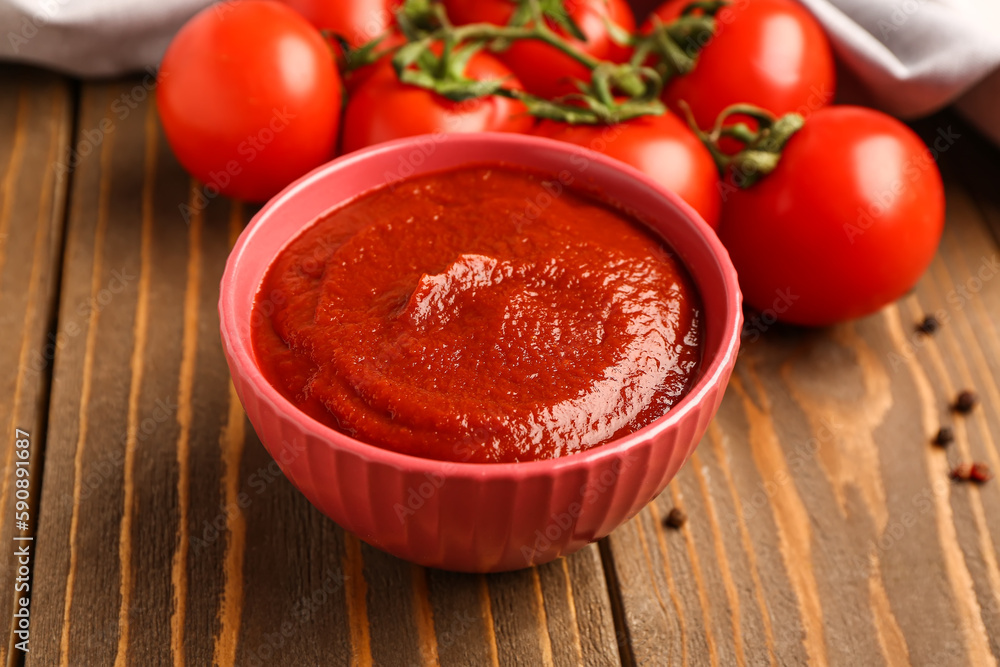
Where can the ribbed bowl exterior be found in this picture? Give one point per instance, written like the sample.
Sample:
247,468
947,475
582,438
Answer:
478,517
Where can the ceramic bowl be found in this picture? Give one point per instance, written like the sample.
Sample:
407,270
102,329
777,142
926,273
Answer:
464,516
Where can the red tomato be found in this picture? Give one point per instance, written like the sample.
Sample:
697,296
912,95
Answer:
662,147
383,108
544,70
847,222
249,98
357,21
769,53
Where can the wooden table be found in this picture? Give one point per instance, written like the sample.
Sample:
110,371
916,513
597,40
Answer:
823,527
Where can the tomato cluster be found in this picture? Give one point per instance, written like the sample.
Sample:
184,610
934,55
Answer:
836,208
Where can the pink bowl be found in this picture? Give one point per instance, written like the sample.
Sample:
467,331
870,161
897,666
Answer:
465,516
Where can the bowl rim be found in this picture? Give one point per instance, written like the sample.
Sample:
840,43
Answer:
243,361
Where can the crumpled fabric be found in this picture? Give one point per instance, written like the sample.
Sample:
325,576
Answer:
912,56
92,38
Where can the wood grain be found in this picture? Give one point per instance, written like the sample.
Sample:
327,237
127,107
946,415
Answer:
35,125
170,536
822,526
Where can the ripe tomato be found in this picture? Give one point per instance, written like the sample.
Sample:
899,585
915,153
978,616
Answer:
769,53
544,70
846,223
662,147
249,98
383,108
357,21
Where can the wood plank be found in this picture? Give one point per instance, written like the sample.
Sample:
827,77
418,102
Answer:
35,124
823,526
169,535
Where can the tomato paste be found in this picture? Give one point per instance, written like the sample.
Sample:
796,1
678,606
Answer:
483,314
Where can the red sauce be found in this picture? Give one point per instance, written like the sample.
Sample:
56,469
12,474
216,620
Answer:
471,315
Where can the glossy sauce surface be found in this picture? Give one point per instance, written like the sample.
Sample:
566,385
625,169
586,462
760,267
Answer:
484,314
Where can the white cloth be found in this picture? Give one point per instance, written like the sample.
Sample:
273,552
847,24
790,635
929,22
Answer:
916,56
92,38
913,56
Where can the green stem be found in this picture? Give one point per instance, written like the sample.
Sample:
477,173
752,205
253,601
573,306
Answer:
594,113
762,148
615,92
488,32
667,41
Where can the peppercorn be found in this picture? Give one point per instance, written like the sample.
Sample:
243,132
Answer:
945,436
928,325
965,402
980,473
675,519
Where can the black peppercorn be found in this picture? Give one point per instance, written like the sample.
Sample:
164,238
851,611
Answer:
945,436
675,519
965,402
928,325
